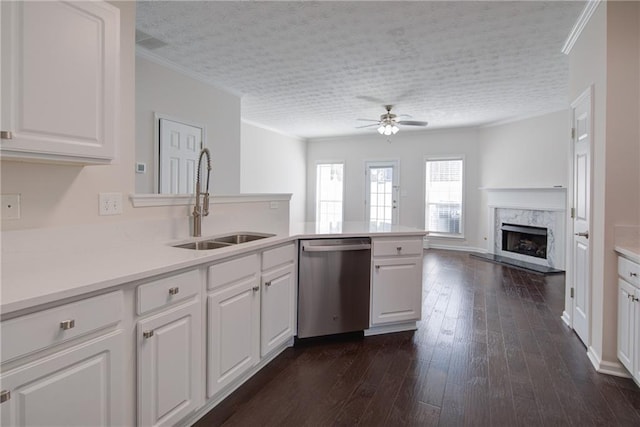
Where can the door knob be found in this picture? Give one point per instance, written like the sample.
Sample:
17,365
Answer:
585,234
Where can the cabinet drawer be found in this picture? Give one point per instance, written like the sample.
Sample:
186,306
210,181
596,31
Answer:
231,271
629,271
384,247
37,331
169,290
278,256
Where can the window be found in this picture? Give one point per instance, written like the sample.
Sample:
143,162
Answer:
329,188
443,196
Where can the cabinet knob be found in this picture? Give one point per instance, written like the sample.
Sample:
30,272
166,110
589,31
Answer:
256,288
174,291
147,334
5,395
399,248
6,134
632,274
377,267
267,283
634,299
67,324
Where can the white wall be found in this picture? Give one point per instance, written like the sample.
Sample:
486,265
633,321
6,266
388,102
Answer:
410,148
607,56
531,152
160,89
274,163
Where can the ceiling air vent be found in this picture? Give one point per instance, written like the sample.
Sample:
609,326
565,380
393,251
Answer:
148,42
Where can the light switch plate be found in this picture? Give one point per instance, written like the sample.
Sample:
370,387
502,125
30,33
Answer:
10,206
110,203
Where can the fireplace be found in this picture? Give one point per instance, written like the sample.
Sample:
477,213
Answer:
524,239
533,220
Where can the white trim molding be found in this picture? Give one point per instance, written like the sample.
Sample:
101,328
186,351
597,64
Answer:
580,24
150,200
606,367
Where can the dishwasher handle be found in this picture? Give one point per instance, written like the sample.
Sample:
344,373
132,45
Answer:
337,248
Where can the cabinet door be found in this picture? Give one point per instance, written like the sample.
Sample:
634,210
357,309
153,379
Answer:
169,365
278,308
233,332
635,335
59,88
626,293
79,386
396,290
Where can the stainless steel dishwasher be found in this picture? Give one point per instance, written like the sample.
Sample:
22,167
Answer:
333,286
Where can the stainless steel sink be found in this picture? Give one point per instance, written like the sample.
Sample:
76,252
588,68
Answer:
223,241
236,239
203,245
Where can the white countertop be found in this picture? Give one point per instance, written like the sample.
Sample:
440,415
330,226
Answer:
36,275
631,252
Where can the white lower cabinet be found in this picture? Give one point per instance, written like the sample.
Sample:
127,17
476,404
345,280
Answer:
629,316
277,315
396,284
233,324
170,350
64,365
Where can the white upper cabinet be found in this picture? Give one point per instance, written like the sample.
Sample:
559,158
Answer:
60,79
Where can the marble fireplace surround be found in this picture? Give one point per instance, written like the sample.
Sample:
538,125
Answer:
538,207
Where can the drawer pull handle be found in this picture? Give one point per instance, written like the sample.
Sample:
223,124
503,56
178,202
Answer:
5,395
147,334
267,284
174,291
6,134
67,324
256,288
632,274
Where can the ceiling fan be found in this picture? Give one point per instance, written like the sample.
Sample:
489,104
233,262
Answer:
389,122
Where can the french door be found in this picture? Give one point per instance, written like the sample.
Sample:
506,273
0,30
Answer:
381,192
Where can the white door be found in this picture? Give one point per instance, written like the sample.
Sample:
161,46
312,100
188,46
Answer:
278,308
581,254
180,146
80,386
169,355
381,198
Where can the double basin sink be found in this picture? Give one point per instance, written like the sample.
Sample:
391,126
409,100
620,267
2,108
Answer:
223,241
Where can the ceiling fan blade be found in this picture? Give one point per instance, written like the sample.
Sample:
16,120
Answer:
366,126
412,123
368,120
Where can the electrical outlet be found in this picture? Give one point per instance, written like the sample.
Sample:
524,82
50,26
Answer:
10,206
110,203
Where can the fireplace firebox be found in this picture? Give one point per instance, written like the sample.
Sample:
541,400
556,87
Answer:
524,239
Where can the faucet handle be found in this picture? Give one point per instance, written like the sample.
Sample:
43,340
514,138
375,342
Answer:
205,204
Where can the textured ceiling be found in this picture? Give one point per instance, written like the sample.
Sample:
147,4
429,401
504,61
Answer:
312,68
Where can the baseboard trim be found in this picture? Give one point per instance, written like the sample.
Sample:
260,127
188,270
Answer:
190,420
431,245
387,329
605,366
566,318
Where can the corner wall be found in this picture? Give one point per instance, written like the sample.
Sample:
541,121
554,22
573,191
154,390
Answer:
162,90
274,163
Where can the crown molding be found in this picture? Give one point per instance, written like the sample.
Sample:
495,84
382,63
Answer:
582,22
150,56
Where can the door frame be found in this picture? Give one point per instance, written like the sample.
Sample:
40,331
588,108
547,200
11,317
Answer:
570,302
395,164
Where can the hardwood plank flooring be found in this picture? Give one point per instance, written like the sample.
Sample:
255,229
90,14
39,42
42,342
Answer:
490,350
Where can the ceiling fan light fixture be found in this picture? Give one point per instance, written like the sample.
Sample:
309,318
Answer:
394,129
381,130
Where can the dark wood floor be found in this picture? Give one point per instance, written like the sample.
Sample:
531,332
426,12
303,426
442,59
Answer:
491,350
